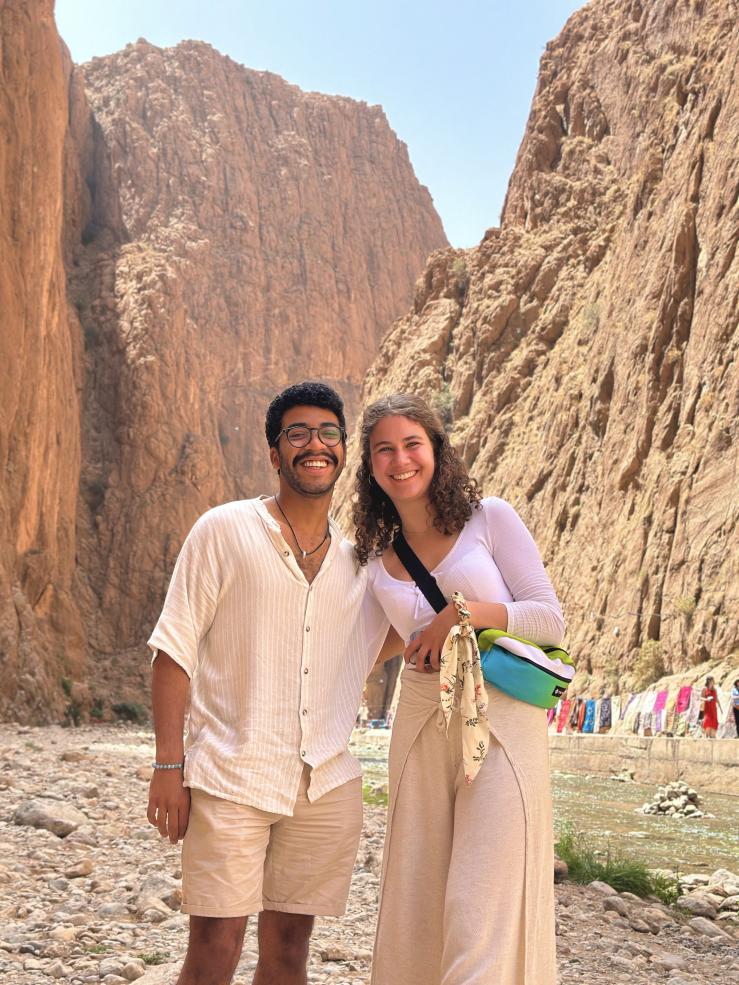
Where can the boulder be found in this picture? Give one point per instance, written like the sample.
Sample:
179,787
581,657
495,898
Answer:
699,906
617,905
603,888
51,815
702,925
160,886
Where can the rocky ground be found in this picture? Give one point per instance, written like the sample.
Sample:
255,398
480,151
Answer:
100,903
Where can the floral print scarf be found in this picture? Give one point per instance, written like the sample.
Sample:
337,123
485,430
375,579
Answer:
461,677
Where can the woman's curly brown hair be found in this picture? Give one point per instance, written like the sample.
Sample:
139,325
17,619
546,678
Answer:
452,493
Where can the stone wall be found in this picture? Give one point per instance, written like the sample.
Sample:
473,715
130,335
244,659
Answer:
707,764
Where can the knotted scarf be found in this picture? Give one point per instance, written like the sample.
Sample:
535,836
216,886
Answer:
461,675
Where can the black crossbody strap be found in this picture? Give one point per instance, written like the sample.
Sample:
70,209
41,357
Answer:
419,573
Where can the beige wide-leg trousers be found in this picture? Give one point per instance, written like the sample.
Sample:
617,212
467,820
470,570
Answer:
467,894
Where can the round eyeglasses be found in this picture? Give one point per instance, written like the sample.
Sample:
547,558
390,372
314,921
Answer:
299,435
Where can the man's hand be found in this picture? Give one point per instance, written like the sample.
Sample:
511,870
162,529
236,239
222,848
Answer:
169,800
430,642
169,804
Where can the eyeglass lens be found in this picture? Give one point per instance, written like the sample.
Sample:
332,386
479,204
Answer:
298,436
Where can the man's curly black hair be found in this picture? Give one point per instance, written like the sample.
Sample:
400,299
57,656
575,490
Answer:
306,394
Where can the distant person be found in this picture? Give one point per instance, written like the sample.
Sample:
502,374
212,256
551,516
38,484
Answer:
467,892
735,706
711,708
262,629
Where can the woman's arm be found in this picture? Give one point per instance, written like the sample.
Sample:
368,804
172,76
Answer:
535,612
392,646
483,615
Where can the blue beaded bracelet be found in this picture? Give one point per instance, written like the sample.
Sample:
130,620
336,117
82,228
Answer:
167,766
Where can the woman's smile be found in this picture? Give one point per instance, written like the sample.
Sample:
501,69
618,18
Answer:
402,456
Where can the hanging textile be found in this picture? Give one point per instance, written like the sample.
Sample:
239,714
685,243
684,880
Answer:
575,714
615,711
564,711
589,719
604,719
660,703
581,714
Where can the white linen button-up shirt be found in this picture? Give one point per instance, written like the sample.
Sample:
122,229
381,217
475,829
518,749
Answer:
277,665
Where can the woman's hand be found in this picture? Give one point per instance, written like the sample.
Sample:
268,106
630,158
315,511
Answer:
430,642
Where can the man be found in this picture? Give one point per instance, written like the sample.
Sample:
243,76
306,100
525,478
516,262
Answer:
262,628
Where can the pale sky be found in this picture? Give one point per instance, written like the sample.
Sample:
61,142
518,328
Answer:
455,79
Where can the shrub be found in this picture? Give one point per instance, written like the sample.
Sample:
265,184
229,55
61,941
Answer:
443,403
375,798
154,957
623,873
686,606
72,714
129,711
648,666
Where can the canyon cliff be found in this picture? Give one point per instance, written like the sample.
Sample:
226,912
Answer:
187,236
41,632
584,355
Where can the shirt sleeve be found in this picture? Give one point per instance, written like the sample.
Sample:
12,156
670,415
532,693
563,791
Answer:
535,613
376,625
192,596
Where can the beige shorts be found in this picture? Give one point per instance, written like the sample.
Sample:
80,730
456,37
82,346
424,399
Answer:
238,860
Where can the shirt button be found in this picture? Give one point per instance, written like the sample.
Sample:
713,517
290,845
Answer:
305,711
302,753
286,553
305,670
307,629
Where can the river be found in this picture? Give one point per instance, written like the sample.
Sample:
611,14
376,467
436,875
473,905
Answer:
605,810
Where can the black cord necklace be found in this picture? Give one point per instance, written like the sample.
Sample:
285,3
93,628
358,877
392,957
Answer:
304,553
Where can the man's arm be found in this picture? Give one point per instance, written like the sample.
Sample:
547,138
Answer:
169,799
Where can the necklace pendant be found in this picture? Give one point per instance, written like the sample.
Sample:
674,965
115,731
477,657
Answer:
304,554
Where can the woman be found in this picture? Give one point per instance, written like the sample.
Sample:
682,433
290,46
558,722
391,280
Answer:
711,706
467,892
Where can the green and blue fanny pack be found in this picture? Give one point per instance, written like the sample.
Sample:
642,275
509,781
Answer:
538,675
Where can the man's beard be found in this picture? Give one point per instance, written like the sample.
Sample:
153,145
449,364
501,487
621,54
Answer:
289,471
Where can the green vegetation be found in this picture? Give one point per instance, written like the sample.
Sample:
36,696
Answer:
97,709
686,606
443,404
374,797
591,317
73,711
154,957
648,666
97,949
130,711
459,267
461,276
623,873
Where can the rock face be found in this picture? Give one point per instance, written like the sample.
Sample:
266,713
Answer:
224,234
245,235
41,359
584,355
